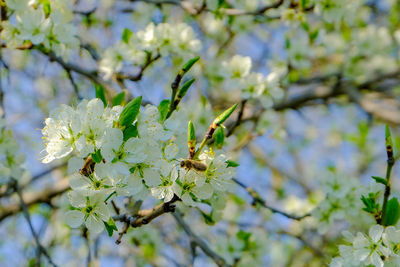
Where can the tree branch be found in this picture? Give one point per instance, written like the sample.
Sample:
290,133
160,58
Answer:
199,242
44,196
258,200
143,217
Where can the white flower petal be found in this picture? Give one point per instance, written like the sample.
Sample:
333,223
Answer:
94,224
375,232
74,218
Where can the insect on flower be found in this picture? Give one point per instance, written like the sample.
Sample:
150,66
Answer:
189,164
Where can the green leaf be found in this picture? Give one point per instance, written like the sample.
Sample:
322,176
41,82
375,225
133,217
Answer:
392,213
46,8
219,137
130,131
387,132
163,108
126,35
110,226
118,99
231,164
225,115
182,92
190,64
207,218
370,203
96,156
380,180
287,43
245,236
305,26
100,93
388,137
191,133
129,113
314,34
220,3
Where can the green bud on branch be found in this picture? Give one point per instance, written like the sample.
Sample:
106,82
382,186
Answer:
182,92
191,139
388,143
224,116
217,122
190,64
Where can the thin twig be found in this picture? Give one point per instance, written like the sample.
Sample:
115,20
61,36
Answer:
44,196
74,85
40,248
390,162
142,217
238,120
258,200
220,261
135,211
43,173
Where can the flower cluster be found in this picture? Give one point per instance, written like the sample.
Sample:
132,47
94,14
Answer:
334,11
342,202
10,159
360,56
379,248
40,22
164,39
135,154
236,73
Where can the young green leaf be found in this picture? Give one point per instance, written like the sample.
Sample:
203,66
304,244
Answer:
392,212
190,64
97,157
46,7
126,35
182,92
118,99
110,226
163,108
130,131
225,115
231,163
207,218
219,137
380,180
100,93
191,133
129,113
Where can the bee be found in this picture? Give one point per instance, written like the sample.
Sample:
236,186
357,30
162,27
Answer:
189,164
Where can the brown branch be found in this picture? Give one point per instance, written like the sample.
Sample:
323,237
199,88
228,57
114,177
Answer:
192,10
259,11
258,200
44,196
43,173
139,75
135,211
142,217
378,109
